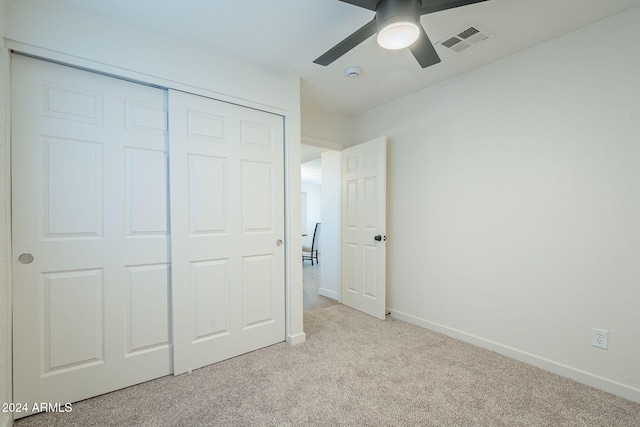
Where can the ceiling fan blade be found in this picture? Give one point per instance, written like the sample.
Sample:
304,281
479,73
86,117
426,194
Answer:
347,44
367,4
424,51
438,5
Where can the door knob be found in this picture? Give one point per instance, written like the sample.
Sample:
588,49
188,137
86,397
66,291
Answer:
380,238
25,258
279,242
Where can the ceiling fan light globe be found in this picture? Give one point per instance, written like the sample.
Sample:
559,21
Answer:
398,35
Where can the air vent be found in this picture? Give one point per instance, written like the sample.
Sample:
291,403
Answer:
465,39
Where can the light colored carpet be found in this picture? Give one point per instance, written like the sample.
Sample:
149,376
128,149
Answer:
358,371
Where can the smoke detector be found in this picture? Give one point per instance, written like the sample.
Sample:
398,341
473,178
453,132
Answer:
353,72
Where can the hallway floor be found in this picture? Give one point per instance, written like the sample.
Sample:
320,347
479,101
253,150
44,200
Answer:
311,287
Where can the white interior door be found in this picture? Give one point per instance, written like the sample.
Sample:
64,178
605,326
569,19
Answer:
364,221
90,233
227,229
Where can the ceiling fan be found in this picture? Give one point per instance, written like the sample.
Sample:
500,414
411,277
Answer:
397,23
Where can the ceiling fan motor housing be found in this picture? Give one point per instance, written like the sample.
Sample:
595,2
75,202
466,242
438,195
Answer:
391,11
397,24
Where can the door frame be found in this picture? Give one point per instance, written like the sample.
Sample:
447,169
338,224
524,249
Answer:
294,332
317,142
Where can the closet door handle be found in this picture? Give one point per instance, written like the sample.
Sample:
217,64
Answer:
25,258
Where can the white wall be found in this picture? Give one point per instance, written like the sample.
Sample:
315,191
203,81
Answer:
328,130
40,27
303,207
330,237
45,29
5,292
314,210
514,204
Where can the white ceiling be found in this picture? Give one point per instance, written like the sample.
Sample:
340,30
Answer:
289,34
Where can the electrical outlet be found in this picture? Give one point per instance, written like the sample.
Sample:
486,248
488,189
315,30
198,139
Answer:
600,338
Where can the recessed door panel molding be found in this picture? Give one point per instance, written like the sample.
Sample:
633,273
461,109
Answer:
227,215
370,159
205,127
147,307
71,102
257,196
364,227
370,258
89,203
370,184
255,135
351,164
145,117
73,322
258,289
350,268
146,192
210,282
73,188
208,194
352,204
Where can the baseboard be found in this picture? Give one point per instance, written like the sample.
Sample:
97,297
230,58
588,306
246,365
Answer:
583,377
296,339
329,294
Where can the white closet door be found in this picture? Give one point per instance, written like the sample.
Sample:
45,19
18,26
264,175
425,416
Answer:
227,225
90,233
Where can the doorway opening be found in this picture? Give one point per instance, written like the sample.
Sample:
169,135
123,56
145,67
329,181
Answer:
320,176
